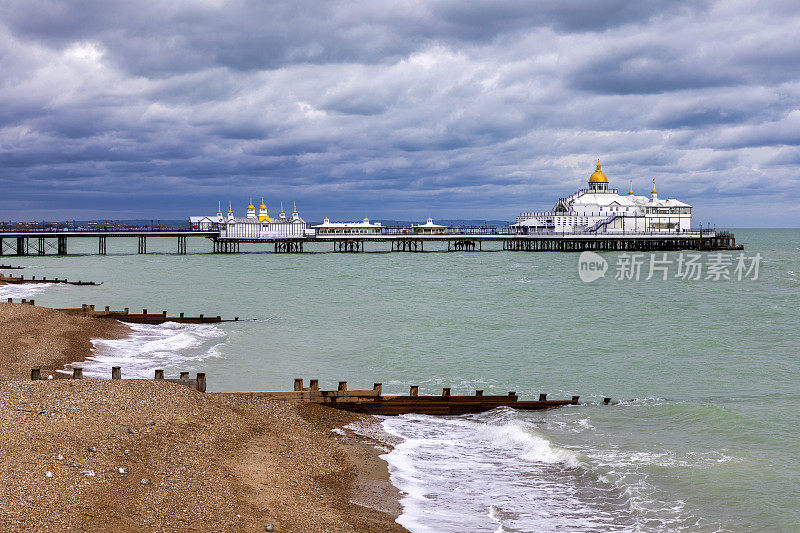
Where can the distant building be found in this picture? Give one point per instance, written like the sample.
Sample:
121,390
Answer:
252,226
599,209
429,228
364,227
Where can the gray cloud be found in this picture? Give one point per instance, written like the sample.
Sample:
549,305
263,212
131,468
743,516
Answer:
392,107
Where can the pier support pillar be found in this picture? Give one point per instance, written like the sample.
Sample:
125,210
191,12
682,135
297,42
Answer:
61,246
142,244
101,245
21,248
182,245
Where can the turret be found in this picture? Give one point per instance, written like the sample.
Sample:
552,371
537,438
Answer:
251,209
295,214
654,192
598,182
230,211
262,211
283,214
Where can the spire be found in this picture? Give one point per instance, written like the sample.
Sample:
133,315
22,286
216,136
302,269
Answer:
294,207
219,207
654,191
630,191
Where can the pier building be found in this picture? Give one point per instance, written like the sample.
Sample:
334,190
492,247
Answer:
257,226
600,209
429,228
364,227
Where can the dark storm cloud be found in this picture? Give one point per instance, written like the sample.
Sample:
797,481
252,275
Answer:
392,107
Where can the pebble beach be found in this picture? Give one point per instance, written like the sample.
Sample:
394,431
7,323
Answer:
145,455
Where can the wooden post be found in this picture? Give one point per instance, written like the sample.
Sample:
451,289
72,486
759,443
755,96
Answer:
159,374
31,302
414,390
181,315
77,373
11,300
512,393
313,384
184,375
23,300
116,372
163,313
575,399
108,308
446,392
606,400
378,387
543,397
298,384
36,374
127,309
144,311
201,381
343,385
478,393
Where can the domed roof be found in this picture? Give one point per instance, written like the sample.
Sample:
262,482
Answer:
598,176
263,205
251,206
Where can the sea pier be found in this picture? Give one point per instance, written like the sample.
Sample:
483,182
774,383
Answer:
390,240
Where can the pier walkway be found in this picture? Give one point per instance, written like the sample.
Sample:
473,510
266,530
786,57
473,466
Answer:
55,242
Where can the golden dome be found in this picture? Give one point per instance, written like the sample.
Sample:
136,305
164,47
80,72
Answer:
654,191
598,176
251,206
262,206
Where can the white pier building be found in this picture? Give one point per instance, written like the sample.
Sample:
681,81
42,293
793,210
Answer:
364,227
252,225
599,209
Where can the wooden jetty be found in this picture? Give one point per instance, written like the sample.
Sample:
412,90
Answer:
21,279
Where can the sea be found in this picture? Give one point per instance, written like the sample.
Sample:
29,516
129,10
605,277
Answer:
702,433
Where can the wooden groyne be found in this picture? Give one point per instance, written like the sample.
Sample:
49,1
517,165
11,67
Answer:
368,401
199,382
136,318
9,267
374,402
144,317
21,279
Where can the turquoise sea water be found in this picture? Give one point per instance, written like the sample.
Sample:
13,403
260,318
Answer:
705,439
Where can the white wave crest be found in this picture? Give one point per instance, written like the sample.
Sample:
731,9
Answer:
148,347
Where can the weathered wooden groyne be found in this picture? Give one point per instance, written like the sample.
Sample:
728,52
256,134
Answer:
199,382
144,317
136,318
374,402
22,279
368,401
9,267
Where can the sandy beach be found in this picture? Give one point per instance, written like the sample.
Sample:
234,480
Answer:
144,455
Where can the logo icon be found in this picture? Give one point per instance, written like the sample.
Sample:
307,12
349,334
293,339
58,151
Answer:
591,266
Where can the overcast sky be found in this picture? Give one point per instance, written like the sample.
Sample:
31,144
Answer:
401,109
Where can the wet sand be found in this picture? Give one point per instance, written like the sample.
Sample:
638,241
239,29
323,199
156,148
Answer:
213,462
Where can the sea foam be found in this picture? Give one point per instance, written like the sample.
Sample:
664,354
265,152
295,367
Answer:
169,346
